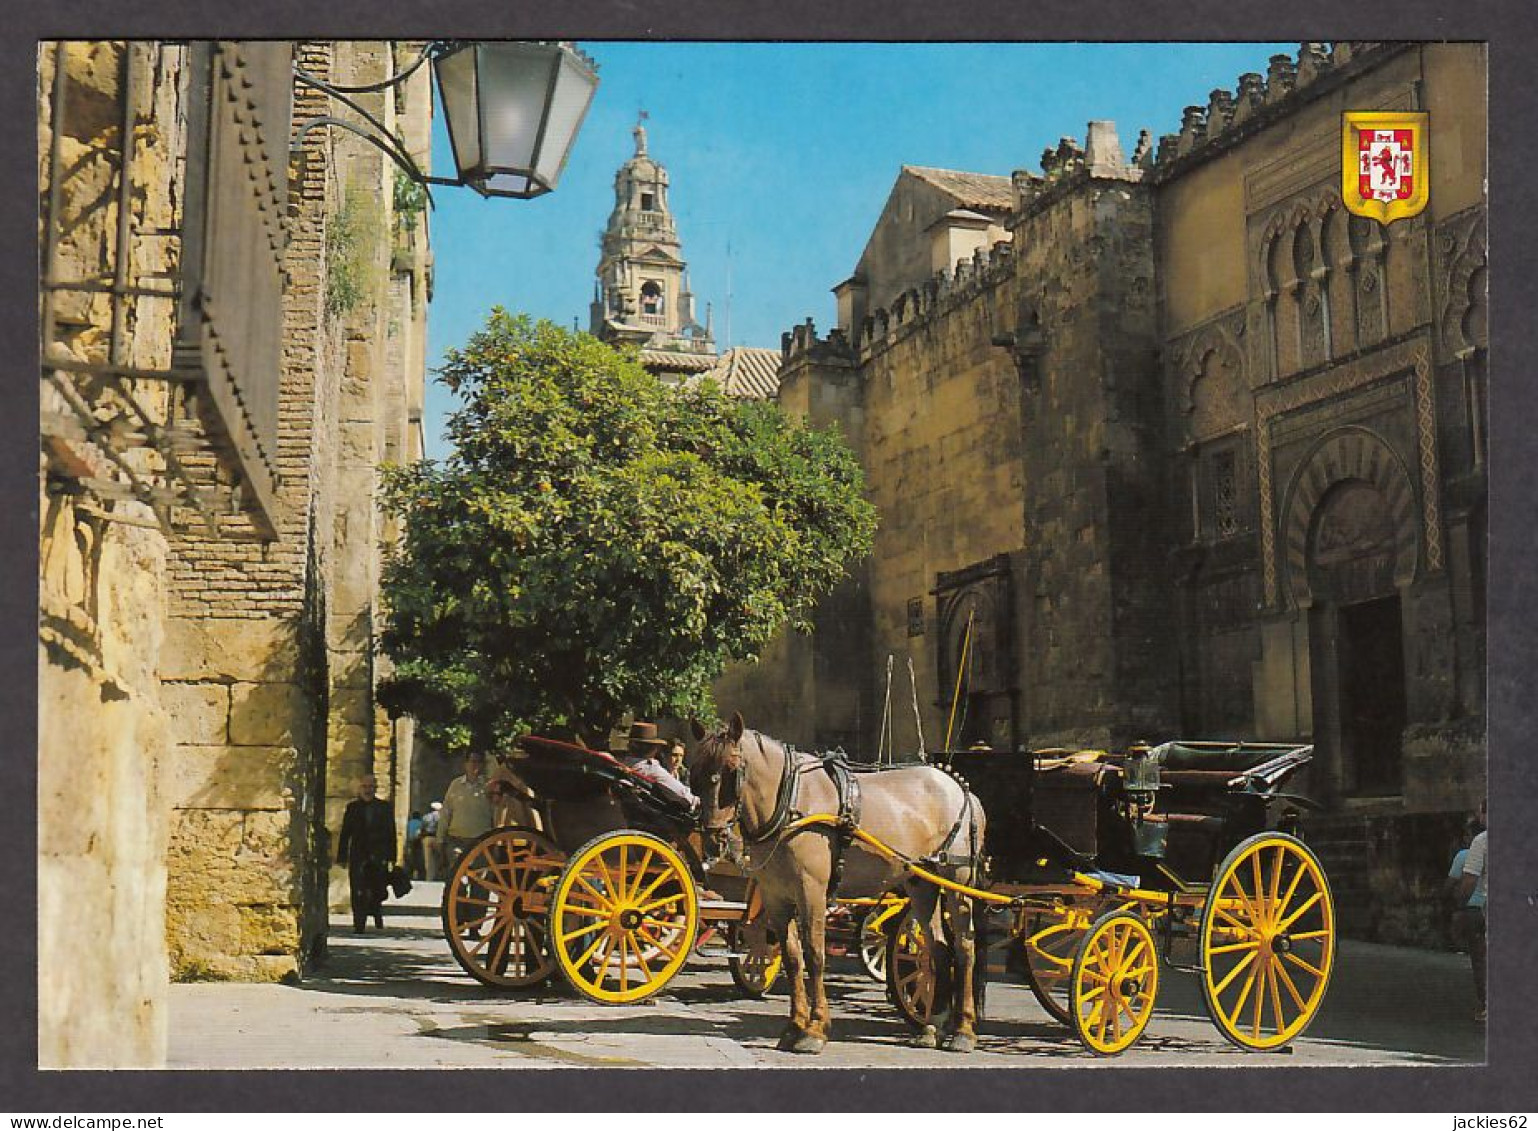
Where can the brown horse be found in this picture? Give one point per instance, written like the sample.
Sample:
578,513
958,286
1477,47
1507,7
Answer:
761,786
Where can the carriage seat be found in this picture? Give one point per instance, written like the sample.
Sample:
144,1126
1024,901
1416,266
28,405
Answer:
1231,758
550,766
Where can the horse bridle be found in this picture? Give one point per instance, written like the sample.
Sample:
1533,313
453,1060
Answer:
726,803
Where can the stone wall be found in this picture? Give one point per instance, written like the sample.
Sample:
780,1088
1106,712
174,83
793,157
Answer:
193,686
102,727
270,652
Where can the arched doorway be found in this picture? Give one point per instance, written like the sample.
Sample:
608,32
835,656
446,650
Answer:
1353,545
978,693
1351,566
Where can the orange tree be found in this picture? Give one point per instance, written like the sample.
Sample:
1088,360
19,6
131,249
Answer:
599,541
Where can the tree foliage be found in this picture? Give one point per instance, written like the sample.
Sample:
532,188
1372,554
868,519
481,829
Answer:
601,542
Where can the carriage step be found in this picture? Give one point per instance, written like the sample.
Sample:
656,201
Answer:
715,910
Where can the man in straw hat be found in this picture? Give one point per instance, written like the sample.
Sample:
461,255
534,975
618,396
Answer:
644,754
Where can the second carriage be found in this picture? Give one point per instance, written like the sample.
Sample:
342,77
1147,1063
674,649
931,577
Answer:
1110,868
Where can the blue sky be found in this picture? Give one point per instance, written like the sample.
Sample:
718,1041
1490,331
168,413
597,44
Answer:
780,158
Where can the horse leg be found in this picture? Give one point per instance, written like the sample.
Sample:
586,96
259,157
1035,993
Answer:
789,929
812,922
923,912
963,933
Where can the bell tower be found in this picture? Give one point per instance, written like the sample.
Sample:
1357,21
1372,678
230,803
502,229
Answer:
642,292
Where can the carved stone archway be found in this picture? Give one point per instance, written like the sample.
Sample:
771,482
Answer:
1346,454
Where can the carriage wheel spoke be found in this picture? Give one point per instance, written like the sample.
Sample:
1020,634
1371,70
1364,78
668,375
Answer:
1260,889
1292,888
1244,995
1260,995
1276,878
1293,958
499,953
1276,995
641,869
1247,928
1251,944
1244,901
466,924
603,900
1234,973
608,878
601,968
473,900
592,947
663,902
567,936
1309,935
655,884
1281,971
646,970
656,942
1293,918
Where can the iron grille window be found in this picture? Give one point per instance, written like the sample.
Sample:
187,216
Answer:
1225,494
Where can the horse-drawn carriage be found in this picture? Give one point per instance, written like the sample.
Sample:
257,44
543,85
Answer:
1105,867
609,892
1099,868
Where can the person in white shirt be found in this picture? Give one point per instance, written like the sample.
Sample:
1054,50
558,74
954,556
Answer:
1471,891
644,754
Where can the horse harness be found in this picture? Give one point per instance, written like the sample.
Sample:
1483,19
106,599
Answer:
846,784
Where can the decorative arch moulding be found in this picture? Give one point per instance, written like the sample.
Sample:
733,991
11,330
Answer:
1409,356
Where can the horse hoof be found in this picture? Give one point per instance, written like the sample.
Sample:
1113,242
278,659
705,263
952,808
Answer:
789,1039
926,1038
961,1042
809,1044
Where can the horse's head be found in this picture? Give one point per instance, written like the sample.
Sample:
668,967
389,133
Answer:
716,773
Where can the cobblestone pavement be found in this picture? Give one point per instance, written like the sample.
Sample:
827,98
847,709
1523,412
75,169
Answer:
396,999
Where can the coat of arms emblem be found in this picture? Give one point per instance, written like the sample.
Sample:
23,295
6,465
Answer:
1384,171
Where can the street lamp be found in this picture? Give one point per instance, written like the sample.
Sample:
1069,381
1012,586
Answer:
512,108
513,111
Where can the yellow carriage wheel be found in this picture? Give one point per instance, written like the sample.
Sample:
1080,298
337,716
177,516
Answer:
496,905
757,956
920,973
1114,982
1267,941
624,917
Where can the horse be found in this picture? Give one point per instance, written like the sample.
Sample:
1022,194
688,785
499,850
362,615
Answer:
761,786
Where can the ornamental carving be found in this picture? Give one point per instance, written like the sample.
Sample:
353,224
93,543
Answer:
1210,376
1364,500
1461,258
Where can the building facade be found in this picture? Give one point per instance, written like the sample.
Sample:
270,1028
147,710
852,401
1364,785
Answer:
1186,450
232,343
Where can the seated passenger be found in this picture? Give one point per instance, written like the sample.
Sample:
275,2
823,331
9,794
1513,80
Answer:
643,757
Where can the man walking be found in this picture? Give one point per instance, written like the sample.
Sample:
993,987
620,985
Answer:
367,847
